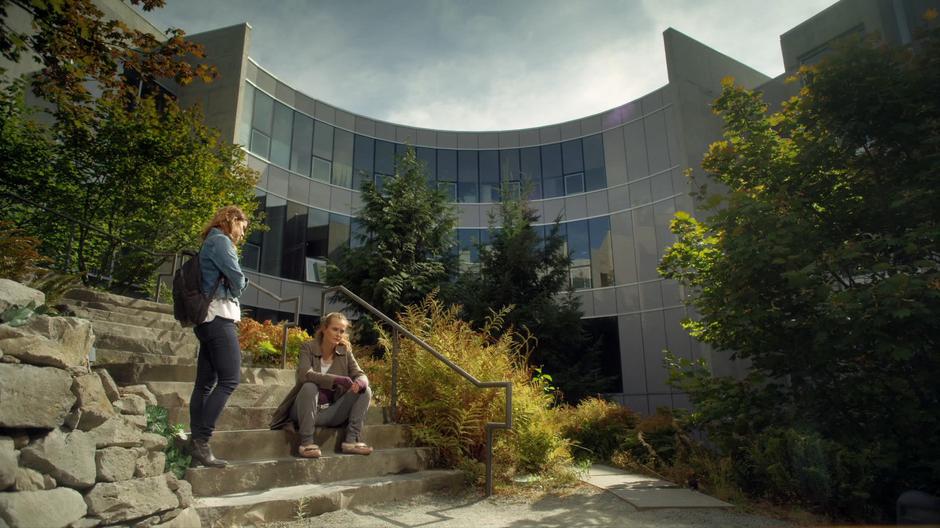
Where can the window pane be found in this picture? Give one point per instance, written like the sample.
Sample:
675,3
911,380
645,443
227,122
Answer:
251,257
280,138
595,176
489,166
271,249
260,144
321,170
554,187
339,234
467,170
323,141
602,260
248,103
342,157
447,165
573,161
381,180
318,233
581,277
578,243
357,233
301,144
551,161
468,241
509,165
489,192
531,170
468,192
295,227
574,183
384,157
363,161
429,157
262,112
449,189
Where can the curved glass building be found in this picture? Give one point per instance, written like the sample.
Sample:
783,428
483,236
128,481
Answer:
615,179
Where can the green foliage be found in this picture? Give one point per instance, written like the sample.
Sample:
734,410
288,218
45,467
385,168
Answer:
449,413
529,277
402,252
177,460
152,176
821,266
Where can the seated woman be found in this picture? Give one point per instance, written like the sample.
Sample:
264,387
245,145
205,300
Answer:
330,389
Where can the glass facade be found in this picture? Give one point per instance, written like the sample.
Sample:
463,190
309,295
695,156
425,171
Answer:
614,191
295,141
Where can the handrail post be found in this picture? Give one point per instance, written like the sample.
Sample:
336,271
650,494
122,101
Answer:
394,396
489,461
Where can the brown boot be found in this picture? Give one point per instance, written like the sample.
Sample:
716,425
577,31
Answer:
202,453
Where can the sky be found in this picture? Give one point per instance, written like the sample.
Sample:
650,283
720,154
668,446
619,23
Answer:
487,64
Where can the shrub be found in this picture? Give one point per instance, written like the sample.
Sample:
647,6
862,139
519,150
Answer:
597,428
449,413
261,342
177,460
19,253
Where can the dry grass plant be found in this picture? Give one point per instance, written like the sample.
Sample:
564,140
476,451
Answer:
449,413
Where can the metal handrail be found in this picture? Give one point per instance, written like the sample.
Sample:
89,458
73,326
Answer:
490,427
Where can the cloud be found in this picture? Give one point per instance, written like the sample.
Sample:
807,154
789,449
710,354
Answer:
488,64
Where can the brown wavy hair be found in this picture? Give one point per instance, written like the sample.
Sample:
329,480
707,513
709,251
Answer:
224,220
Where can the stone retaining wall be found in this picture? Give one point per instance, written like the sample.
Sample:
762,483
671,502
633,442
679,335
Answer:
73,446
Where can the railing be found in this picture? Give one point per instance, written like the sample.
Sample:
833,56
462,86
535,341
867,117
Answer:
397,329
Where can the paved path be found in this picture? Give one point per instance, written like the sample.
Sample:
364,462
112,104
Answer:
646,493
585,506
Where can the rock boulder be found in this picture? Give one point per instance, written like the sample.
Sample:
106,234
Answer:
50,509
92,400
13,293
34,396
61,342
114,502
67,457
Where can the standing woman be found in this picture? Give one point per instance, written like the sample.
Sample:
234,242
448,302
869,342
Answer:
219,366
330,389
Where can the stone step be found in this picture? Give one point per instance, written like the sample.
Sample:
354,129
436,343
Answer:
264,444
246,476
156,321
241,418
309,500
177,335
105,357
177,393
134,373
142,345
87,295
118,310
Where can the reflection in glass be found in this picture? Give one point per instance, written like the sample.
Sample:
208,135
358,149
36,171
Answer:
509,167
301,144
449,189
321,170
446,165
294,248
363,161
262,112
553,187
342,157
260,144
531,168
574,183
272,247
339,234
602,257
429,157
280,135
551,161
244,125
323,140
571,153
318,233
595,176
384,157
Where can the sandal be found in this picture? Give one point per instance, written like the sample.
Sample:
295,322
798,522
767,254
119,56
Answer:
309,451
357,448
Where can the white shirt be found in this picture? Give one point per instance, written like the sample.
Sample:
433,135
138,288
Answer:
227,308
324,366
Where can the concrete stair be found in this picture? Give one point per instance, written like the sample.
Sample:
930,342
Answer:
139,342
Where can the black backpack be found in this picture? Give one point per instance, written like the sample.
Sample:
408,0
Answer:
190,305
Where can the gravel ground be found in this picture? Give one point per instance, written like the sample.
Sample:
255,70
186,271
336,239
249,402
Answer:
585,506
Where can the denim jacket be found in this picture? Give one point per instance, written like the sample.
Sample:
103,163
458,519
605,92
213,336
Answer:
218,258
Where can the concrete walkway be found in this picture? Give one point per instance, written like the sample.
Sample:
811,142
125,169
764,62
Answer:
646,493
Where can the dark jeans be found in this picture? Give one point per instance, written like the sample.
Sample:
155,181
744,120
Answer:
217,374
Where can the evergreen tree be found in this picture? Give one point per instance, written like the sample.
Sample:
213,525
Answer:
403,248
522,270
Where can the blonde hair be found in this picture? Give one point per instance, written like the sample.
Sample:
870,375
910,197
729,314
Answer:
325,322
224,220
